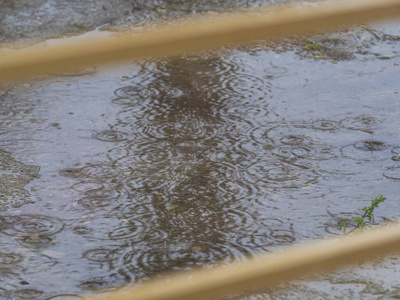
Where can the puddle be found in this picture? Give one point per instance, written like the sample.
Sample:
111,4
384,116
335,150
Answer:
112,176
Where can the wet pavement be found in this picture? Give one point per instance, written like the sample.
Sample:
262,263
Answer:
113,176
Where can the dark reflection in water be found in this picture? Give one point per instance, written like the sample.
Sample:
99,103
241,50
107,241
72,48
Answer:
179,176
172,164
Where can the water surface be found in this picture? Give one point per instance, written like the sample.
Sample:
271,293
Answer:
165,165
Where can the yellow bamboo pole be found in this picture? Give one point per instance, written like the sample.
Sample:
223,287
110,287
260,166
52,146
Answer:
266,270
191,36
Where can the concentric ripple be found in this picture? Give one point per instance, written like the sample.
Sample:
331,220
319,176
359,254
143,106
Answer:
36,241
283,175
131,230
282,236
393,173
369,145
66,297
185,257
27,294
94,202
317,152
30,225
366,123
10,258
367,150
288,135
101,255
152,153
234,219
110,136
294,139
326,125
193,130
136,91
245,86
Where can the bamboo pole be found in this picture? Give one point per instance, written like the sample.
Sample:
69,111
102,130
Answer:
195,35
266,270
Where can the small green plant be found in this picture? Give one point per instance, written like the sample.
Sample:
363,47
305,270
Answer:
361,222
313,47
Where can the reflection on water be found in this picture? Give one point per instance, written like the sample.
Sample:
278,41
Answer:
172,164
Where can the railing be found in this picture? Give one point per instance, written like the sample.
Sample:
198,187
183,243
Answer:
197,35
192,36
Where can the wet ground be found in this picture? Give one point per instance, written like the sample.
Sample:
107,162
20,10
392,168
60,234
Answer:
113,176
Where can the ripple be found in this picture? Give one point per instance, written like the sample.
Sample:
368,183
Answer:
36,241
245,86
147,184
126,101
5,112
288,135
283,175
326,125
251,112
364,123
79,229
212,67
152,154
293,139
141,227
276,71
393,173
133,229
95,202
137,91
65,297
94,284
72,173
268,237
155,235
271,222
236,219
396,158
100,255
318,152
367,150
291,152
10,258
30,225
186,257
228,190
193,130
282,236
117,153
371,146
98,171
256,242
396,150
260,135
110,136
288,82
303,152
134,207
27,294
101,171
85,187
